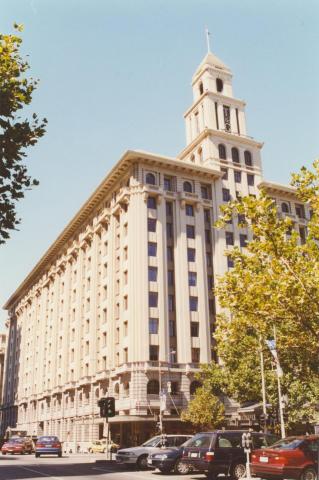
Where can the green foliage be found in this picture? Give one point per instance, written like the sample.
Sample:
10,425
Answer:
205,410
16,134
274,282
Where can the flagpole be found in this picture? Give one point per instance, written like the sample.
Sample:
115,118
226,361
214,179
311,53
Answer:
160,397
280,400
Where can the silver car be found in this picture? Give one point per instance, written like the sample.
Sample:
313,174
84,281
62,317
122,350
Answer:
138,455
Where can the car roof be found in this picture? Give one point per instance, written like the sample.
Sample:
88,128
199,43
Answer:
233,431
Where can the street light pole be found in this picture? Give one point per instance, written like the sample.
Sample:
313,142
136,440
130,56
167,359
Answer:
263,383
280,400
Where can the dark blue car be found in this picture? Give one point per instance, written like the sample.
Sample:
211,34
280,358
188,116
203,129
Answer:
169,459
48,445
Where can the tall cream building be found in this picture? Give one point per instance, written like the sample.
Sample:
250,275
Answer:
121,302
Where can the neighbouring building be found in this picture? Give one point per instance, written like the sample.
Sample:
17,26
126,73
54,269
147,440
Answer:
121,303
3,338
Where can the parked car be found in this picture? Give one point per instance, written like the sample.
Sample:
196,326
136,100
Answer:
100,446
169,459
17,445
291,457
48,445
221,451
138,455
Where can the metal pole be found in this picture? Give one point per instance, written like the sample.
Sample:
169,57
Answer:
263,383
160,394
281,411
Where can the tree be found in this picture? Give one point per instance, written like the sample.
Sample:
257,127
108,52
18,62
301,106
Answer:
16,134
205,411
275,282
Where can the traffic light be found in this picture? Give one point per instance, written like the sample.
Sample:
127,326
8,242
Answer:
107,407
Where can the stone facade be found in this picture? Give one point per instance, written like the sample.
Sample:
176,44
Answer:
121,303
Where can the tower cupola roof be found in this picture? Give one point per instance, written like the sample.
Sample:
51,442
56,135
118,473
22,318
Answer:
212,61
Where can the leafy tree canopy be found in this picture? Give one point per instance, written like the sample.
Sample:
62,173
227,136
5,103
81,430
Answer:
16,134
205,410
274,283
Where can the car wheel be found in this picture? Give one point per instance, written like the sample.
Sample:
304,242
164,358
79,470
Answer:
60,454
181,467
309,474
239,471
4,453
142,462
37,455
90,450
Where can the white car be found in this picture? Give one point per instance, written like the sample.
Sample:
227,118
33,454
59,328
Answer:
138,455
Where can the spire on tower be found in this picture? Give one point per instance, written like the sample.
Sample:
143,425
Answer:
207,39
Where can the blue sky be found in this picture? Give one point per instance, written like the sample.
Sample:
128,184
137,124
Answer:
115,75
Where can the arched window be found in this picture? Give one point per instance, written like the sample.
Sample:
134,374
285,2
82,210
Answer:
235,155
248,159
219,85
150,178
201,88
187,187
153,387
285,207
193,158
222,151
194,386
126,387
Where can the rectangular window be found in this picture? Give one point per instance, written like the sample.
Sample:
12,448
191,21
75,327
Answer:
226,195
168,184
151,224
152,274
230,262
193,304
225,173
300,211
152,299
172,328
151,203
125,329
216,115
169,209
125,302
207,237
154,353
237,120
152,249
194,329
195,355
170,278
169,230
208,259
241,219
250,180
243,240
207,216
171,303
229,238
191,254
170,256
205,192
192,279
189,210
210,282
190,231
303,234
237,175
153,325
226,110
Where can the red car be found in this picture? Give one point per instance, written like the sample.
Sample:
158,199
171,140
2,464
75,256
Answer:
292,457
17,445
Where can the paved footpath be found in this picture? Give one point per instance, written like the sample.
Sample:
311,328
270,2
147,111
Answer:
75,467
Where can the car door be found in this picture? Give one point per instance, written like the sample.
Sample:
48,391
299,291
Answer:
228,450
311,451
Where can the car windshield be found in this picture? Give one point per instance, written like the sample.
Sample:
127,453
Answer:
16,440
287,444
152,442
200,441
47,439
